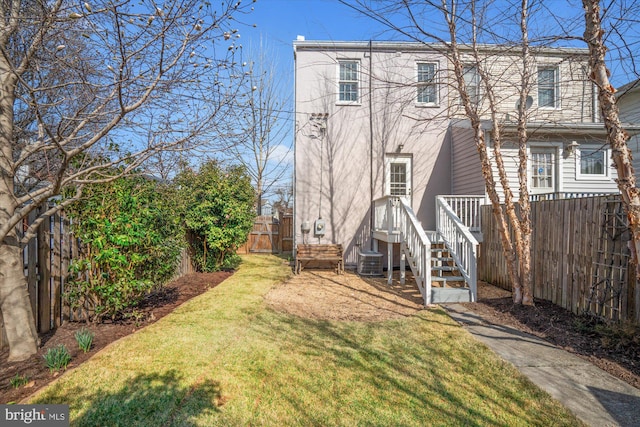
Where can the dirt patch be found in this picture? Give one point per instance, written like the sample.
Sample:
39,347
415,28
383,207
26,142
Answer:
154,307
323,294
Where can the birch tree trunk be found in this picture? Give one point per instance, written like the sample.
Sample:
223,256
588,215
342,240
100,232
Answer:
524,224
617,137
479,138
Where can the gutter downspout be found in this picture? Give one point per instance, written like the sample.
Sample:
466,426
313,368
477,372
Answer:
295,139
371,207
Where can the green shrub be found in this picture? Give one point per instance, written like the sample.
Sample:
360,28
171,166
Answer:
19,380
57,358
131,238
218,206
84,338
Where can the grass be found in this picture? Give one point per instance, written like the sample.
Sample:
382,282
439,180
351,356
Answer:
225,359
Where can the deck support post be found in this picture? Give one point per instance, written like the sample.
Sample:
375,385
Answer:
389,263
403,259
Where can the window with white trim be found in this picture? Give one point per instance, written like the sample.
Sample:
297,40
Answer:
427,83
348,81
548,87
472,82
592,164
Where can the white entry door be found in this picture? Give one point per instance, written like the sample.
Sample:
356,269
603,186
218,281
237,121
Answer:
543,170
398,176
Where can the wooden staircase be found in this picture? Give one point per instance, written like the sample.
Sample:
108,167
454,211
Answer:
443,262
447,283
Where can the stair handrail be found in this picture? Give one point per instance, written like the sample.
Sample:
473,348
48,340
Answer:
419,245
460,242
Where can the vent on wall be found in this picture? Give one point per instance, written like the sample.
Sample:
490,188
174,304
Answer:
369,264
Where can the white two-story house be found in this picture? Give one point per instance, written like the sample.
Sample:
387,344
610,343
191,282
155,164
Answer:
380,135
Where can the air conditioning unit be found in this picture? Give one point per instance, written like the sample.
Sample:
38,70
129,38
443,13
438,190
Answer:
369,264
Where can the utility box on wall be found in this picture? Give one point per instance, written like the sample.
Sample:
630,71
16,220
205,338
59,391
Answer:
369,264
319,227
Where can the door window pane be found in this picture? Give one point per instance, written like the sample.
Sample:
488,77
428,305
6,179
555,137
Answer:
542,171
398,179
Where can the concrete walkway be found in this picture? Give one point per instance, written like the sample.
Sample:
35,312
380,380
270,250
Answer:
593,395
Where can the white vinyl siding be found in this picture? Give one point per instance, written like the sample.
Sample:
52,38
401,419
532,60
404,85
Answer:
466,171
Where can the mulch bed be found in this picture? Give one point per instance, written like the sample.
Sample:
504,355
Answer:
613,349
154,307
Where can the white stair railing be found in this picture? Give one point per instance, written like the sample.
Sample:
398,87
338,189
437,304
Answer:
460,242
417,247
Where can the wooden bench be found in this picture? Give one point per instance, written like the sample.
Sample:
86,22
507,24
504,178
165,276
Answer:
322,253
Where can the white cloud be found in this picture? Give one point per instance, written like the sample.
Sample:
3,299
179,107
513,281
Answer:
282,153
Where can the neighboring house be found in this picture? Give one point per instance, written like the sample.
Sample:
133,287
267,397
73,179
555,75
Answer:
379,134
629,106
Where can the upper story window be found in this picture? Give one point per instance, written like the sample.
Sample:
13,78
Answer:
348,81
472,82
427,84
548,87
592,164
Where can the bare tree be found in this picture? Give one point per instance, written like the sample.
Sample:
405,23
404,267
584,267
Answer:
617,137
262,139
460,30
284,196
95,86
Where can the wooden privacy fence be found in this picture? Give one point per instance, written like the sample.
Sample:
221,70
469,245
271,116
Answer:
580,258
270,234
46,259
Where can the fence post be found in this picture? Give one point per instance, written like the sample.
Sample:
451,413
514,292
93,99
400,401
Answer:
44,297
56,269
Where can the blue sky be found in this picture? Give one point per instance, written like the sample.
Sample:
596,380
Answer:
280,21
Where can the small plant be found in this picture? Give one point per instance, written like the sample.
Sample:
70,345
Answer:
138,317
19,380
57,358
84,338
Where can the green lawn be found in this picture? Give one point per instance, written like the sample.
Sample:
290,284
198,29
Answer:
225,359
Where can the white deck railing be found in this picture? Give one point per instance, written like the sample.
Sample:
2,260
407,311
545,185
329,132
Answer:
467,208
394,215
387,214
460,242
564,195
